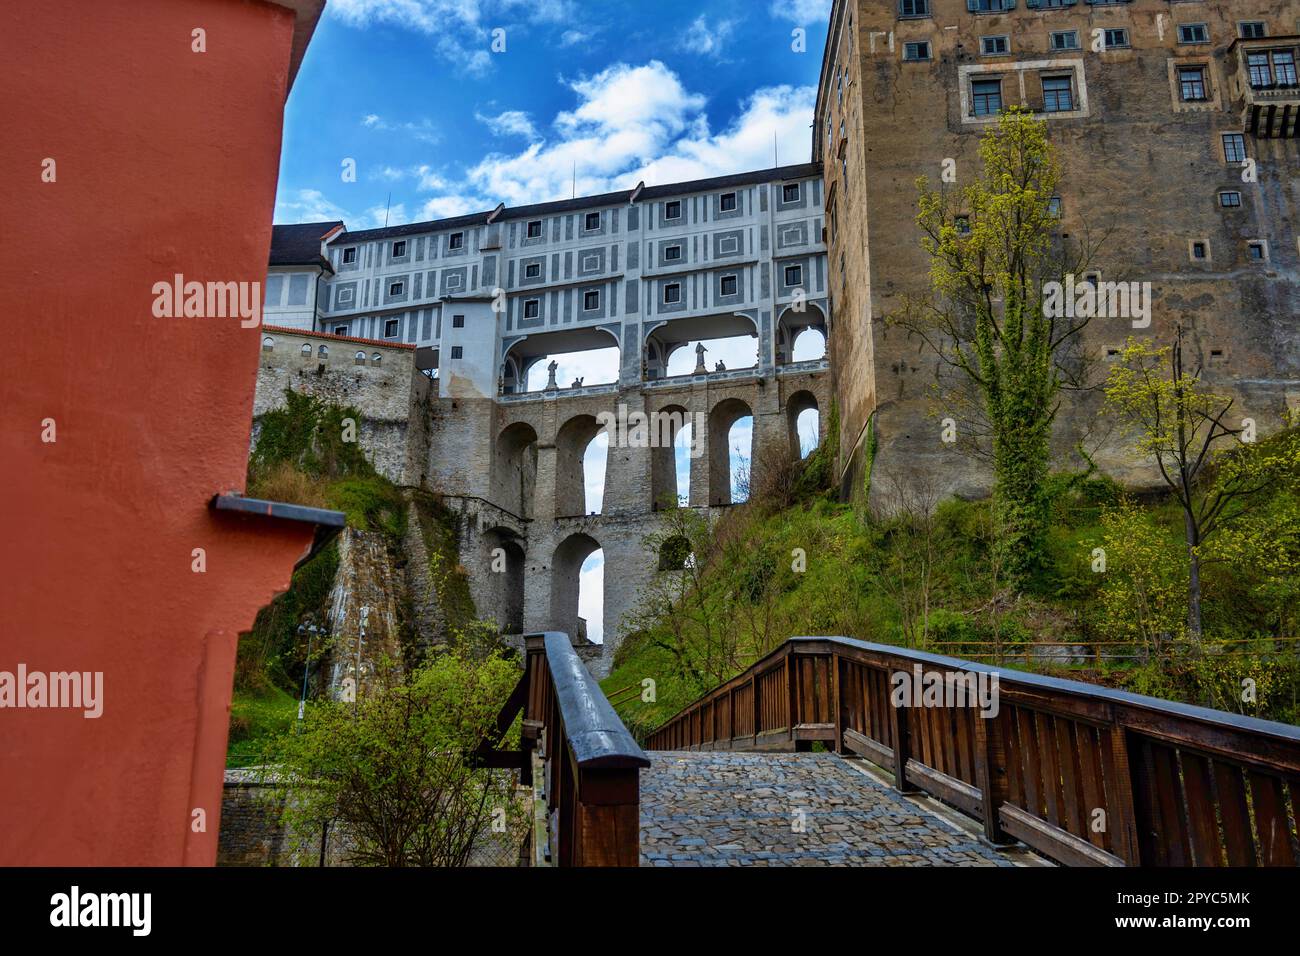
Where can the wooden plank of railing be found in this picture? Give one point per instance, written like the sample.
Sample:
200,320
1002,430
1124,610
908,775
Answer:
1086,774
592,763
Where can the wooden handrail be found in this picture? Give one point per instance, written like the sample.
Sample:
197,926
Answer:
591,765
1085,774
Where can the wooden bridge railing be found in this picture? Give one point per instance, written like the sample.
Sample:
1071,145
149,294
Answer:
1084,774
588,765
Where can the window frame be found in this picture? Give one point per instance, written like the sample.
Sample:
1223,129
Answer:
975,97
586,222
920,8
1204,29
798,192
722,284
1238,139
458,321
532,265
1068,80
528,230
586,297
669,249
1074,38
535,305
401,287
922,47
1225,193
457,352
668,205
674,300
1005,39
342,326
1243,24
392,249
1202,81
735,202
785,275
1125,43
396,325
349,250
456,240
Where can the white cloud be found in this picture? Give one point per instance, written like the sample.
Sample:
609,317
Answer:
424,130
509,123
573,37
308,205
707,39
379,216
802,11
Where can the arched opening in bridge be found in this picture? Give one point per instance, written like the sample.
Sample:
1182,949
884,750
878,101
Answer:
729,339
800,335
731,441
675,554
578,588
504,558
582,358
581,452
514,472
803,423
670,458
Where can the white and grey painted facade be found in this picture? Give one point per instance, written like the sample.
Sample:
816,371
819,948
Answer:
485,296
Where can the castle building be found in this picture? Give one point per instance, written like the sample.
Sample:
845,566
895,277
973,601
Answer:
1175,122
475,302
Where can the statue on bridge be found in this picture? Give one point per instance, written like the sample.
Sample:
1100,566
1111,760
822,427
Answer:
719,367
550,377
699,359
577,383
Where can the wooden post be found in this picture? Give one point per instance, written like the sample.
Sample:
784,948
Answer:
608,819
902,744
836,711
1123,814
991,773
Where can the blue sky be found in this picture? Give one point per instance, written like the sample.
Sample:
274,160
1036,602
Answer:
662,91
438,123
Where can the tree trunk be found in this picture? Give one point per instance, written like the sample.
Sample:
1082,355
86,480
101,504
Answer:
1193,580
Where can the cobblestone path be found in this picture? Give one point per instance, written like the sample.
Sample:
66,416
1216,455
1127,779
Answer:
787,809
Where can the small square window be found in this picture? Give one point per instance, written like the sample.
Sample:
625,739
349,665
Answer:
1230,199
673,209
396,288
350,254
995,46
1065,40
340,330
1116,39
533,270
790,192
672,253
1054,207
590,301
672,293
458,321
1193,33
592,221
535,229
728,202
399,249
728,286
1199,250
390,329
456,240
1234,147
1257,251
1252,29
532,308
793,275
917,51
457,351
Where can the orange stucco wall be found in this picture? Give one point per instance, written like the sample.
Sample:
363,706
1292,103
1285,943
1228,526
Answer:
166,162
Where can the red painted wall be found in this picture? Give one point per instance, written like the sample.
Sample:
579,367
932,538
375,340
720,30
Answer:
167,162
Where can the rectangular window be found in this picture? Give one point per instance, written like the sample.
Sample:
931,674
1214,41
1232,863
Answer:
1058,96
1199,250
350,254
533,270
1116,39
457,351
340,330
986,96
672,293
535,229
990,6
453,282
458,321
345,296
396,288
390,328
916,52
793,275
1230,199
672,253
1284,68
1252,29
1065,40
729,285
728,202
1191,84
1054,207
1193,33
728,246
1257,251
592,221
532,308
995,46
590,301
790,192
673,209
399,249
1260,70
456,240
913,8
1234,148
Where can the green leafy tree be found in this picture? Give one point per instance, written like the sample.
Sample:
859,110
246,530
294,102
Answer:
393,771
1184,427
992,249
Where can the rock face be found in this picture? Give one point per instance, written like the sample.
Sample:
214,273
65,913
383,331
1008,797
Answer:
365,614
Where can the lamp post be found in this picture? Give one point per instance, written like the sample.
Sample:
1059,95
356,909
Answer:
311,630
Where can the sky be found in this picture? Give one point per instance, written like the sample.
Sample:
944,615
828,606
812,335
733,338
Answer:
446,107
